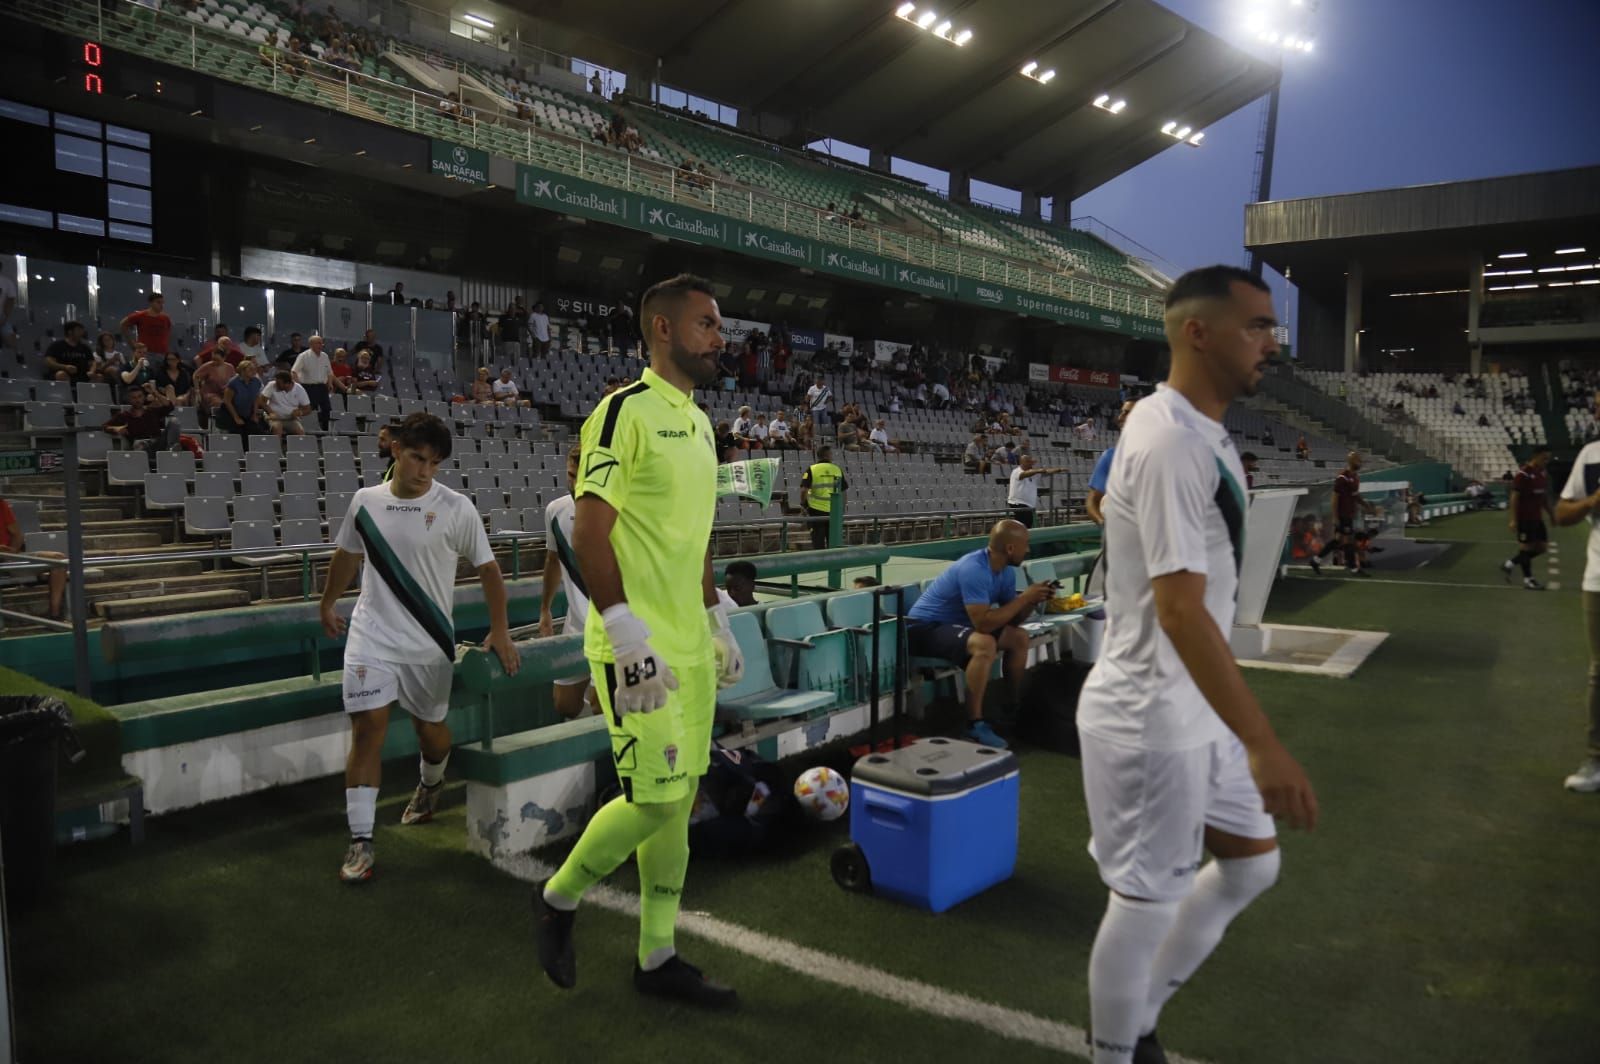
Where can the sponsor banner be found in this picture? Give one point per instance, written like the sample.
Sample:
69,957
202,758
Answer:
1093,378
774,244
810,340
573,195
569,304
845,345
552,190
885,350
460,163
735,330
752,479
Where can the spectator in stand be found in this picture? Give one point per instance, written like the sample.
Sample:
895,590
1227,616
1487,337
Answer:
71,358
12,542
879,438
286,403
397,294
241,402
341,374
741,428
369,342
113,363
539,330
1004,455
470,326
142,423
366,377
1251,463
218,334
779,438
286,358
506,392
1302,449
151,326
848,436
224,350
738,585
509,331
805,436
483,388
975,459
252,347
758,430
594,84
1022,493
819,397
313,369
173,381
138,371
210,384
727,443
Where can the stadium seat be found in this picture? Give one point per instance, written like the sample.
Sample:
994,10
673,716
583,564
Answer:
342,480
91,415
164,491
95,393
300,507
336,504
298,482
256,482
27,515
176,463
814,657
213,485
757,697
301,532
853,613
261,461
301,461
41,418
253,508
249,535
205,516
127,467
15,392
301,445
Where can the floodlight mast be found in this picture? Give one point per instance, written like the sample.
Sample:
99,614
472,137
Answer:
1301,37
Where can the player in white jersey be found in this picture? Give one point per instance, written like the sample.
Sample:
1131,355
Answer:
1178,758
572,693
410,532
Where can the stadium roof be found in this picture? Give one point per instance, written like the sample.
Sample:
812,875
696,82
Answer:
853,70
1427,234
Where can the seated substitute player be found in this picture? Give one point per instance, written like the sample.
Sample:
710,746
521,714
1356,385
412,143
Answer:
411,531
1530,504
646,494
572,693
1178,757
972,613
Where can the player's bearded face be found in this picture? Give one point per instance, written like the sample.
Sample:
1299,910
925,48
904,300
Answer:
696,342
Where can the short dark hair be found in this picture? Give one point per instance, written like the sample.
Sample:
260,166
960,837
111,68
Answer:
662,295
866,581
423,430
154,296
744,570
824,452
254,330
283,376
1211,282
1541,448
1249,456
574,452
69,326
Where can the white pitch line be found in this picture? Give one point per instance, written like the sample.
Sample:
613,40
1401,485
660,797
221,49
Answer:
831,968
1383,581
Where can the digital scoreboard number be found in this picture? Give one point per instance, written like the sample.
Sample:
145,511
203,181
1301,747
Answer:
91,58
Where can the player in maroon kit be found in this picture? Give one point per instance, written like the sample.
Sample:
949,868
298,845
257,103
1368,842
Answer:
1530,502
1347,502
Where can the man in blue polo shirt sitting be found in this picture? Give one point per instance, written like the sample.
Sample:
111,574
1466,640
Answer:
972,613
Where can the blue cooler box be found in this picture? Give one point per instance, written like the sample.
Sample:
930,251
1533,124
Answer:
936,820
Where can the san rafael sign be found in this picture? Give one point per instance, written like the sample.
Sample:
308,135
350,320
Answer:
460,163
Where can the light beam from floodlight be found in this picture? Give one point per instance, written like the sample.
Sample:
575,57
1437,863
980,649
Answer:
926,19
904,9
961,39
1032,65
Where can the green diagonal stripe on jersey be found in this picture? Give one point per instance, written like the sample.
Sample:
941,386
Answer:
1230,500
406,589
569,561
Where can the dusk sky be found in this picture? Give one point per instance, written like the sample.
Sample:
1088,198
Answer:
1397,92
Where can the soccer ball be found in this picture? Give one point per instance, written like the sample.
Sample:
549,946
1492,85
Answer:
823,793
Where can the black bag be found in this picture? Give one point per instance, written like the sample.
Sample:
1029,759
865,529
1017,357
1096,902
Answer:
1048,714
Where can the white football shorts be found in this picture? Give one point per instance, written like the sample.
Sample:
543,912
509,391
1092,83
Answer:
1148,811
422,690
583,679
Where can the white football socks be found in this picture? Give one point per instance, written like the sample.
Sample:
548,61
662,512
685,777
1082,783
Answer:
1221,892
432,774
1131,932
361,809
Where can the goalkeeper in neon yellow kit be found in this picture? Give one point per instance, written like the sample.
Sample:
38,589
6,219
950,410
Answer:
657,639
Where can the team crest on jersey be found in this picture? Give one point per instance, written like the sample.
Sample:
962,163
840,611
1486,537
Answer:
427,519
361,674
672,758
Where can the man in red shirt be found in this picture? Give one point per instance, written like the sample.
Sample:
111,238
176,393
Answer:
1530,502
155,328
1347,502
11,542
220,348
217,336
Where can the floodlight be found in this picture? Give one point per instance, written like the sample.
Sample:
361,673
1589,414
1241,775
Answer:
1308,46
1196,139
1559,284
479,20
1045,78
1584,266
1169,127
904,9
1519,287
1099,101
926,19
1033,65
1184,132
1570,251
1590,280
1513,255
1500,287
962,38
1552,269
942,29
1517,273
1494,273
1117,107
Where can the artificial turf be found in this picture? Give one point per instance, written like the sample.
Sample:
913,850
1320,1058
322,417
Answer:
1443,910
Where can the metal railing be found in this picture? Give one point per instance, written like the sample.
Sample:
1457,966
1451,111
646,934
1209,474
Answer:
367,96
